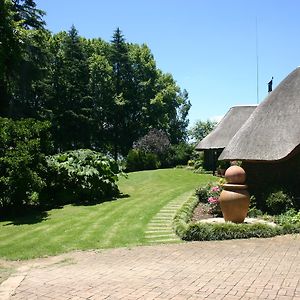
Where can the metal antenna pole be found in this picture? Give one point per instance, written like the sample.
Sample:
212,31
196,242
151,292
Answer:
256,36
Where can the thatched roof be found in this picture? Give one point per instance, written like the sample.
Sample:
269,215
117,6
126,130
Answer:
273,130
227,128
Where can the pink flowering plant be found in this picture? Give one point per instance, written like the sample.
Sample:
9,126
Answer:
213,200
209,196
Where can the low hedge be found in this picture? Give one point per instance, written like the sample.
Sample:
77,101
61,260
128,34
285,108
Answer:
183,216
200,231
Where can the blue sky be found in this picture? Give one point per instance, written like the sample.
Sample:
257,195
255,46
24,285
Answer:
208,46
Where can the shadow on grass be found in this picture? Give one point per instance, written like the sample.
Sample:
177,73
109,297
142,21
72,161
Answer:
98,201
27,216
32,215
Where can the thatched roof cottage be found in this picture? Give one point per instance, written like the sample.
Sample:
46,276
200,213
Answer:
268,143
214,143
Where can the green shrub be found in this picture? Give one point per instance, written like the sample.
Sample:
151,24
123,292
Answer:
82,175
278,202
201,170
138,160
253,211
23,145
202,193
186,230
198,164
191,163
178,154
289,217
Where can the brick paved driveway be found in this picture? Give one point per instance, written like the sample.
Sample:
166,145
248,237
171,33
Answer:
237,269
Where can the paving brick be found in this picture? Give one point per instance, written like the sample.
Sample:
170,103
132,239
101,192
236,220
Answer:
237,269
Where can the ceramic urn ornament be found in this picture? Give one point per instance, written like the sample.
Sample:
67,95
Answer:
234,199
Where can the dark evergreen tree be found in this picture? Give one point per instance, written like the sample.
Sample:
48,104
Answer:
69,101
22,56
29,14
122,93
100,92
10,53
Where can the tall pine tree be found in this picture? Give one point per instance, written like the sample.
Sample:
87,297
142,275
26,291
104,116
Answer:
22,56
69,101
122,93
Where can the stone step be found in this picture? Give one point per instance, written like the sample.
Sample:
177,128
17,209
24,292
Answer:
167,230
160,222
161,228
167,215
164,215
160,235
160,225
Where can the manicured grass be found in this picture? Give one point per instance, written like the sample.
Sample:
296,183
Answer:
117,223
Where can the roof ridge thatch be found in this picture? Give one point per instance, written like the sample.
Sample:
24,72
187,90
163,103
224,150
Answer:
227,127
273,130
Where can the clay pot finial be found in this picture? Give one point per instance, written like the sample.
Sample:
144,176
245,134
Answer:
235,174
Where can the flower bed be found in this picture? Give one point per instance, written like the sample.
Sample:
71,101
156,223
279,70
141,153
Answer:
198,231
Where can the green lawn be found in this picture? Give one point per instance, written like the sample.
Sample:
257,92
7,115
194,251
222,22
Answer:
117,223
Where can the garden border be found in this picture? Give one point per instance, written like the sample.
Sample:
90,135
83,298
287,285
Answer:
200,231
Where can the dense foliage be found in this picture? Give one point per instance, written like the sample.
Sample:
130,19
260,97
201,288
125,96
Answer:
97,94
155,150
273,200
138,160
278,202
23,146
179,154
81,175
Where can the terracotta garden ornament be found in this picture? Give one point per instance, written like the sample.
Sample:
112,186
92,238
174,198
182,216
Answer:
235,199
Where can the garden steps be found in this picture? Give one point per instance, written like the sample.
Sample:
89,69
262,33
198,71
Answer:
160,231
160,228
161,236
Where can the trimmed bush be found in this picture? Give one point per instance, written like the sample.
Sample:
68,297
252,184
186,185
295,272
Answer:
183,216
290,223
23,146
278,202
82,175
138,160
225,231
